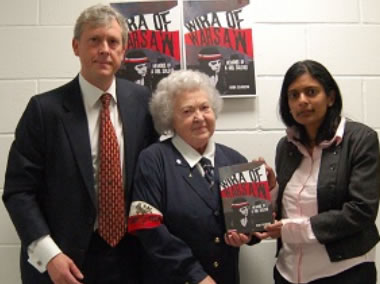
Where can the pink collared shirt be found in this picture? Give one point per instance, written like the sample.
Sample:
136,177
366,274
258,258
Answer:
302,258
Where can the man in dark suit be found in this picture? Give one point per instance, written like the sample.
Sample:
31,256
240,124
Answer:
52,182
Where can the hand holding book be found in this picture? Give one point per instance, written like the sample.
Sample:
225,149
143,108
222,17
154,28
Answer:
236,239
271,231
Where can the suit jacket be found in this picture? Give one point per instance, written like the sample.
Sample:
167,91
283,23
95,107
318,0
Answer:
49,182
347,191
189,245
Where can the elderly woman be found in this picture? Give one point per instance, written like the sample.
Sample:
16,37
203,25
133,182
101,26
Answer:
328,185
176,210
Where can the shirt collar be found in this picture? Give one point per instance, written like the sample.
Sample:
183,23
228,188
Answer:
91,93
292,135
191,156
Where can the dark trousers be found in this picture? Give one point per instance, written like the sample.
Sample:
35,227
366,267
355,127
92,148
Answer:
364,273
106,265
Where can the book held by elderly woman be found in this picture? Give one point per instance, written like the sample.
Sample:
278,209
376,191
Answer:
246,197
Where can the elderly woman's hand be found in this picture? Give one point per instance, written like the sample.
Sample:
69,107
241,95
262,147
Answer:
236,239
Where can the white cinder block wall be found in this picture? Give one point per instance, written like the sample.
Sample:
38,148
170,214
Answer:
344,35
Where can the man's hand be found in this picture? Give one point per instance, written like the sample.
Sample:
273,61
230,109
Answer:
62,270
207,280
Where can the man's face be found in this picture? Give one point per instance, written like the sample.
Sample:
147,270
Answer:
141,69
215,65
101,51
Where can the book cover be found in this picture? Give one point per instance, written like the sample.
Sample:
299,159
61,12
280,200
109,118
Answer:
246,197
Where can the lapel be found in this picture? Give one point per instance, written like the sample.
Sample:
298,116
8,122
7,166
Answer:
128,113
291,159
194,179
326,178
220,161
75,123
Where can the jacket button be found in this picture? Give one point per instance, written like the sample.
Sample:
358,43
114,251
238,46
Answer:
217,240
216,264
216,213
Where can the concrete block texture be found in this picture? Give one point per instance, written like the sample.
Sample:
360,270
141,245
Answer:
37,52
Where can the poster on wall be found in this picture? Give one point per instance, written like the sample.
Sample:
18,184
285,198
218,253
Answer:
218,41
153,41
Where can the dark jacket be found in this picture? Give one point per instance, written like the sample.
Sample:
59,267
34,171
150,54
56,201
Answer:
189,245
49,181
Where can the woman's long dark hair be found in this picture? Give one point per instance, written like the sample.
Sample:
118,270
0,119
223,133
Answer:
318,72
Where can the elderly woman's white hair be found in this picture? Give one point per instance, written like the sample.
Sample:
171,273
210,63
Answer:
178,83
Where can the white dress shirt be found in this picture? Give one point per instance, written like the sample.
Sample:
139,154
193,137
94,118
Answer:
42,250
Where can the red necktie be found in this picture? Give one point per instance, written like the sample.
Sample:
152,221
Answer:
112,220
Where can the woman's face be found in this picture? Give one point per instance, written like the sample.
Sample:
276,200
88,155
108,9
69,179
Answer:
308,102
194,119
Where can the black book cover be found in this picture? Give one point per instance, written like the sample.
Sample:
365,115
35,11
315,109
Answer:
246,197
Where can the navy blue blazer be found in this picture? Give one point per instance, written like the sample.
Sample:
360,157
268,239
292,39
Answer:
189,245
49,181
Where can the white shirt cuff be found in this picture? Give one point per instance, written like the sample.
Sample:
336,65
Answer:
297,231
41,251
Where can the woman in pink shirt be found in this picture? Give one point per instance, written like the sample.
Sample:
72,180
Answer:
328,185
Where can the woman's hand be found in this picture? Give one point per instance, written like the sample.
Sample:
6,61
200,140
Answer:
271,231
236,239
